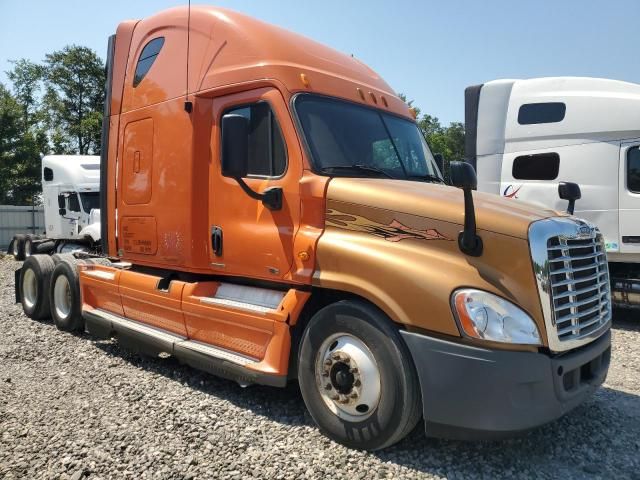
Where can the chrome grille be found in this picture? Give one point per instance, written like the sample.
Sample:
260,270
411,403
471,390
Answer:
579,281
572,275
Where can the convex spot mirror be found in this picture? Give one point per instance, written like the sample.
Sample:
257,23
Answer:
463,176
569,191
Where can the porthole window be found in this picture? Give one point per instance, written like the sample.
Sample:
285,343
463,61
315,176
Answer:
147,57
540,166
534,113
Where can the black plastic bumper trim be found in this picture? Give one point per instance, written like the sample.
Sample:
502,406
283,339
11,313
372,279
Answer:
477,393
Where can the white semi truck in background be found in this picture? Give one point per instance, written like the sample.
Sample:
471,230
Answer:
71,199
525,137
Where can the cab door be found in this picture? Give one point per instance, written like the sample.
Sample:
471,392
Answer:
247,238
630,197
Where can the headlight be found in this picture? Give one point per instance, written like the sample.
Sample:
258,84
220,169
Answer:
486,316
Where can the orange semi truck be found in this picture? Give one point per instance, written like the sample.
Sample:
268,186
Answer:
271,212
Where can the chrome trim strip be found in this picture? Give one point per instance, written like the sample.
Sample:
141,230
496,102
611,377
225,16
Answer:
218,352
565,228
117,320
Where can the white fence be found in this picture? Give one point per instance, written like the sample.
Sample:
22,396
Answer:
18,219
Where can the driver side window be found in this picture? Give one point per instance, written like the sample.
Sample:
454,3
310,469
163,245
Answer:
74,203
633,170
267,152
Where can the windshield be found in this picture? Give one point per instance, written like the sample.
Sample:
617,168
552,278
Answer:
349,139
90,201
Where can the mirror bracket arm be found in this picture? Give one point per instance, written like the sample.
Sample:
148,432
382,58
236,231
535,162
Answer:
270,198
469,241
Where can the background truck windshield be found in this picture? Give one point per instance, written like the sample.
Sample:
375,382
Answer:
348,139
90,200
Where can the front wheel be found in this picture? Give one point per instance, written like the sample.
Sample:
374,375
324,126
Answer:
357,377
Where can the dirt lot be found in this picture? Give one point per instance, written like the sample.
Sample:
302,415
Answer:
72,407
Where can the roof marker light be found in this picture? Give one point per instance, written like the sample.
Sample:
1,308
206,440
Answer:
305,80
361,93
384,100
373,97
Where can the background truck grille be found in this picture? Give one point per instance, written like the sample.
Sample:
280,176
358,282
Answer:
579,286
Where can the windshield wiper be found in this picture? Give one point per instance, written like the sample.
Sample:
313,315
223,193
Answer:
358,168
428,177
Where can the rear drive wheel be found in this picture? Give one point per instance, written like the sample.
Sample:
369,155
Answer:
357,377
63,257
64,297
18,247
29,247
34,286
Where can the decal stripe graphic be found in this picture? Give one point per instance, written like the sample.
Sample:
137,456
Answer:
392,232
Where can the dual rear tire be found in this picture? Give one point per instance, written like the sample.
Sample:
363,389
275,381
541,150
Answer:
49,287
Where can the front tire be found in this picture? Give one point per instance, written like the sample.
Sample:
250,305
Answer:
357,377
64,297
34,286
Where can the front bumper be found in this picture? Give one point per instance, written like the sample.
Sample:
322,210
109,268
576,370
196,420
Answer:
476,393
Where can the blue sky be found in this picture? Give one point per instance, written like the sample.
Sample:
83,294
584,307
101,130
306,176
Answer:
428,50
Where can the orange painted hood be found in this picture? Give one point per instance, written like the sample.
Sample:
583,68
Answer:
428,200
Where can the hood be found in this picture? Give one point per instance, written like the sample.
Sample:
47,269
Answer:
440,202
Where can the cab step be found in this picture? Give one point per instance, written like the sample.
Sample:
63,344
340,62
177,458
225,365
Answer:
151,340
254,299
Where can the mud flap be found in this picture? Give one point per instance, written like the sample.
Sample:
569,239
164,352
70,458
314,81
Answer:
17,284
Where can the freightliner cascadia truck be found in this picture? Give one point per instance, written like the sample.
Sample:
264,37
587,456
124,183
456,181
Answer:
271,212
71,199
525,137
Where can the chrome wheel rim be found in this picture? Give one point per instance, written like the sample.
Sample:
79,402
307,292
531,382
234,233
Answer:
348,377
27,248
62,297
14,249
29,288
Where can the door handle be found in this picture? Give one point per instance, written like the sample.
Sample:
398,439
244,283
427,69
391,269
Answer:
216,241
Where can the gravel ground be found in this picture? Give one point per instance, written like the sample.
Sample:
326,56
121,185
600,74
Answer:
72,407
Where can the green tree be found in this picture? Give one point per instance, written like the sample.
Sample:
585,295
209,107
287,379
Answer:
26,78
73,100
19,153
447,141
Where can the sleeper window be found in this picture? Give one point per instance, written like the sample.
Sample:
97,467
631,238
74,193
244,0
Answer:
633,170
147,57
267,155
533,113
540,166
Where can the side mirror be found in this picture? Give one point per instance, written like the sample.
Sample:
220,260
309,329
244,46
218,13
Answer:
463,176
569,191
61,201
235,159
235,146
439,159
